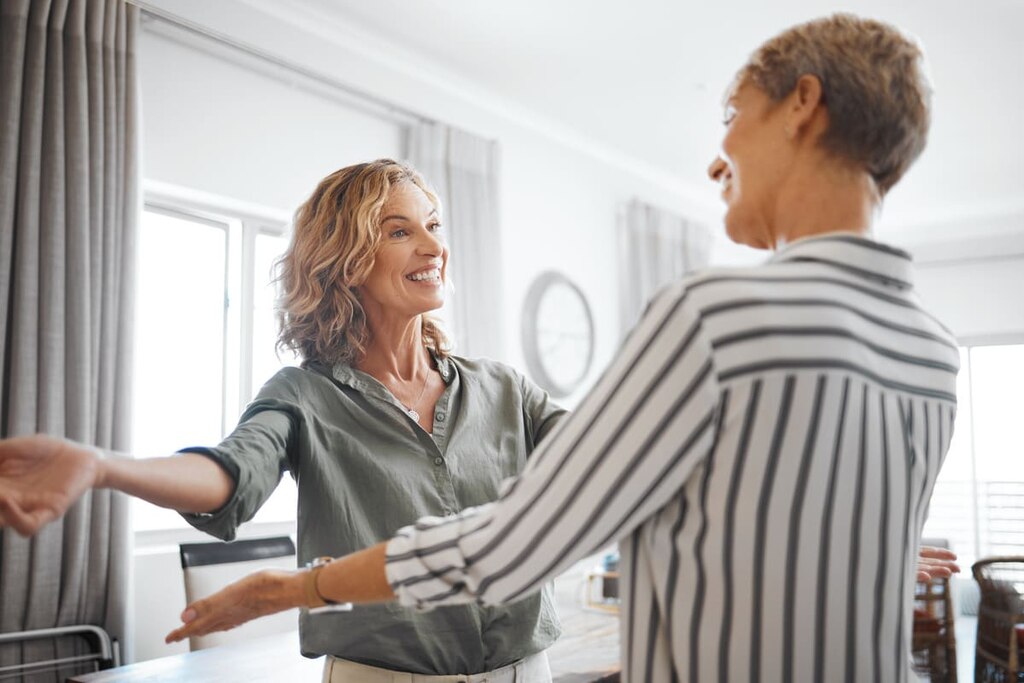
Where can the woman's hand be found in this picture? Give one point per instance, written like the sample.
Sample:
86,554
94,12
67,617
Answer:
257,595
936,563
41,477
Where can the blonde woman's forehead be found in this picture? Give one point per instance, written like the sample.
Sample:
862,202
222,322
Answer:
408,196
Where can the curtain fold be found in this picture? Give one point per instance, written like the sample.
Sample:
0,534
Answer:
464,169
656,247
68,213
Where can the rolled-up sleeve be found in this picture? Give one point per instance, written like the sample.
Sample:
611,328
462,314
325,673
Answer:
255,455
631,446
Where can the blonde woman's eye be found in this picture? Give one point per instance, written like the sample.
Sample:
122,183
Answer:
399,233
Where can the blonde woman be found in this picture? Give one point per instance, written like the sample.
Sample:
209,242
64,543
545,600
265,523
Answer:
380,426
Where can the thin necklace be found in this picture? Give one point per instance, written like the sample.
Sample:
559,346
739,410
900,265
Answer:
412,411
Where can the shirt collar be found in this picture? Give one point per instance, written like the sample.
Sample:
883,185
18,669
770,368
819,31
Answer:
357,379
853,254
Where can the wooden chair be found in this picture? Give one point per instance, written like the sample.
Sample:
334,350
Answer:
1000,620
934,634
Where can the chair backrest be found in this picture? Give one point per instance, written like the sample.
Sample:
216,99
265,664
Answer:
1000,616
208,567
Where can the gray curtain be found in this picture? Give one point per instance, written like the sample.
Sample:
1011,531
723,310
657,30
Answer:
464,170
68,214
656,247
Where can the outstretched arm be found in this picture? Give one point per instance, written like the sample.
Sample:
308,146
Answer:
358,577
361,577
42,476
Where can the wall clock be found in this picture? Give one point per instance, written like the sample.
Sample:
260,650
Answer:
558,333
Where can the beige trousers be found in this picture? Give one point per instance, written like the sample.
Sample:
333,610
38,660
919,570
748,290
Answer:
533,669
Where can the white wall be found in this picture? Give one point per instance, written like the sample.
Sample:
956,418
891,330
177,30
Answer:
970,273
238,131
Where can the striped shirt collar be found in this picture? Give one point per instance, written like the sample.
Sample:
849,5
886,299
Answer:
853,254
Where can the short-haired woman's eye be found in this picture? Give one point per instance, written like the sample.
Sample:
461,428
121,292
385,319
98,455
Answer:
728,115
435,227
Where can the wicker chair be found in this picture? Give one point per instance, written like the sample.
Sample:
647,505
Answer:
1000,620
934,635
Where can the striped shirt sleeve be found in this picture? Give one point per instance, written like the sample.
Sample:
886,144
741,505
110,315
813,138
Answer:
633,443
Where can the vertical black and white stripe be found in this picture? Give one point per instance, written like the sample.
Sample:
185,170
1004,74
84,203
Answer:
763,449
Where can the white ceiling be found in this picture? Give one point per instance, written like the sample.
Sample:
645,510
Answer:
645,78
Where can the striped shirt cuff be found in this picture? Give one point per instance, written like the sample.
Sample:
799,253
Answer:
425,564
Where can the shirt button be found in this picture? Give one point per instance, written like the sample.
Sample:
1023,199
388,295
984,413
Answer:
438,461
440,417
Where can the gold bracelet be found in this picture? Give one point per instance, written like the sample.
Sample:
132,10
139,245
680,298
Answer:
313,596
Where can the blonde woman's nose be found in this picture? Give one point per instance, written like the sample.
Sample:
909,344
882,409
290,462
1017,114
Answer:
431,243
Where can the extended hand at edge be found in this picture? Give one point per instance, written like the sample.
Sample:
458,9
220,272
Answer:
40,478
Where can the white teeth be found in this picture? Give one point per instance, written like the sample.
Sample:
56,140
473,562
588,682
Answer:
434,275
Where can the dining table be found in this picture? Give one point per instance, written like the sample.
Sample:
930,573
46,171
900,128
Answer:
587,651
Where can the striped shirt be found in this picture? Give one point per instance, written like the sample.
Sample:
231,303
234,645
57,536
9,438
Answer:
763,449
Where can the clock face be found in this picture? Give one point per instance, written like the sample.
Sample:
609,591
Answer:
558,333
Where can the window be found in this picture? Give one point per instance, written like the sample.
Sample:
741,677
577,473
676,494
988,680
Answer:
978,502
205,332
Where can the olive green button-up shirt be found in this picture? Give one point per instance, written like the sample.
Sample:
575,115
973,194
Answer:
364,468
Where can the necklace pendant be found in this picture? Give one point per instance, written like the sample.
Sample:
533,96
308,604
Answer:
414,415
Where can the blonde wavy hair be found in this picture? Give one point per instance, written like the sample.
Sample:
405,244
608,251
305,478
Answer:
334,244
873,83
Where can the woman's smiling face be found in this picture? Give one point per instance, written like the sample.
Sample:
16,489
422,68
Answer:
750,165
410,265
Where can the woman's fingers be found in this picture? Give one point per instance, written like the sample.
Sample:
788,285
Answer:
200,617
16,518
928,569
27,513
929,573
254,596
943,565
934,553
936,563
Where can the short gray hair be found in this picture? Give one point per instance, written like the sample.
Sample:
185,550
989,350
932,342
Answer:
873,85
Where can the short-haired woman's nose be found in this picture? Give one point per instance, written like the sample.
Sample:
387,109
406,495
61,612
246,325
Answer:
716,169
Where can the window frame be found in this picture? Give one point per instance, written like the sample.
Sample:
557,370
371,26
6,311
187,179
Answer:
968,343
242,223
